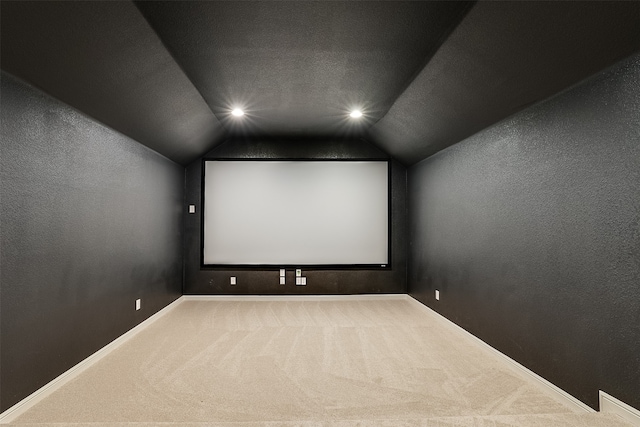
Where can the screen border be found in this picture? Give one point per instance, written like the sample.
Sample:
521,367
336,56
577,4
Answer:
387,266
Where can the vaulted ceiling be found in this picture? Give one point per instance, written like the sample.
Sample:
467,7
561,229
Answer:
425,74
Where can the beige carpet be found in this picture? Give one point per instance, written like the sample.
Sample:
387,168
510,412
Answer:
303,363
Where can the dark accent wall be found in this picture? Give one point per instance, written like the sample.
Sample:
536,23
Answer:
531,231
91,220
252,281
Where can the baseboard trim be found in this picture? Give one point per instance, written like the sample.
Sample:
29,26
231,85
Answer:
561,395
25,404
608,403
363,297
612,405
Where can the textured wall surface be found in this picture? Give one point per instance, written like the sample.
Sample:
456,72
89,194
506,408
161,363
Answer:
531,232
252,281
91,220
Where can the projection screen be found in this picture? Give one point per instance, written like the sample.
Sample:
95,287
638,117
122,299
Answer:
296,213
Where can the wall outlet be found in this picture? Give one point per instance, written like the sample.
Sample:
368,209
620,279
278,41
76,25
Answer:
233,280
303,281
192,209
138,304
282,272
282,280
437,295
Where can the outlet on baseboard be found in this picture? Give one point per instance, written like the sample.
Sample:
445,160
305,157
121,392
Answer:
437,295
233,280
138,304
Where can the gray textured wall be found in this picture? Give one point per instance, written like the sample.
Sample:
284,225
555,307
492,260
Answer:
252,281
91,220
531,231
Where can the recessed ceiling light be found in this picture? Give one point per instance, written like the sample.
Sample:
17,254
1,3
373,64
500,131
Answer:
237,112
356,113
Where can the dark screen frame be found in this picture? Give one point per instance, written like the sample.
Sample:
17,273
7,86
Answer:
387,266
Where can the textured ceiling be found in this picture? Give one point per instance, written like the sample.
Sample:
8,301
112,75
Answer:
104,59
299,67
426,74
503,57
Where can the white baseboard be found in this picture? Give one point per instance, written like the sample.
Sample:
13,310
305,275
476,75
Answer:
25,404
21,407
612,405
363,297
608,403
561,395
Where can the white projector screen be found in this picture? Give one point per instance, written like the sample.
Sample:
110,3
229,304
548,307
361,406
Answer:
296,213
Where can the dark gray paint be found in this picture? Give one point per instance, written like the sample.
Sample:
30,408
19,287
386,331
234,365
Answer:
252,281
104,59
531,231
300,67
503,57
428,74
91,220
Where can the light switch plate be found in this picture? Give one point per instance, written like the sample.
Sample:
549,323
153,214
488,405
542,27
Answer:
138,304
192,209
233,280
437,295
282,272
298,272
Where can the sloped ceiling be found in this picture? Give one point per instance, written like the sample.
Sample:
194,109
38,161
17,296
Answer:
503,57
426,74
104,59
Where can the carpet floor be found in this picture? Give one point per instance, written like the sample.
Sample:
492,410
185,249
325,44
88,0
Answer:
380,362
